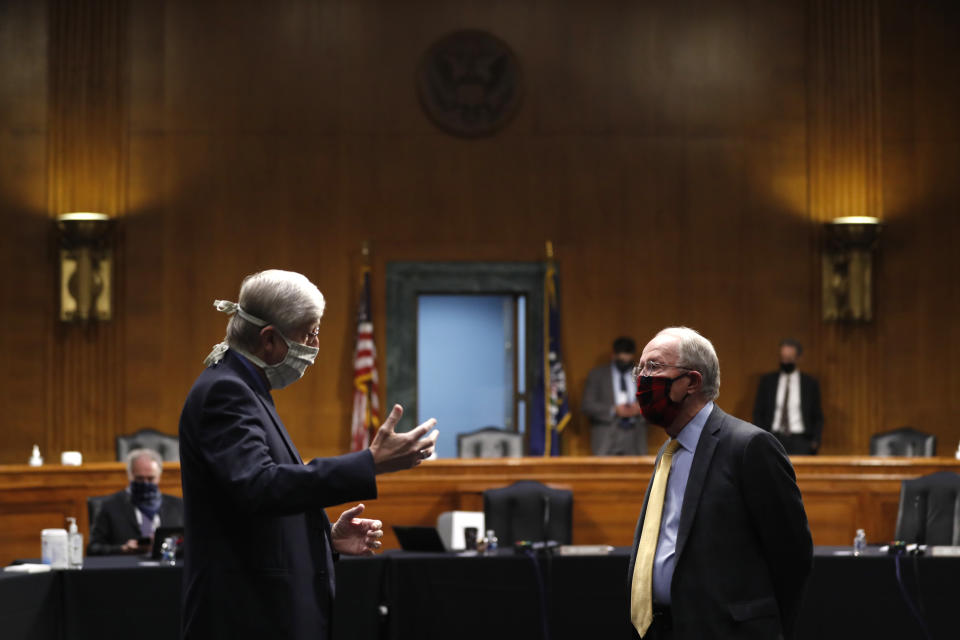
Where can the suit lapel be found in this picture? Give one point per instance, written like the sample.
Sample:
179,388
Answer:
132,514
698,475
272,412
266,401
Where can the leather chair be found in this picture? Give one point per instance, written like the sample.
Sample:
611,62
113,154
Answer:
490,442
905,441
166,445
529,510
94,504
929,510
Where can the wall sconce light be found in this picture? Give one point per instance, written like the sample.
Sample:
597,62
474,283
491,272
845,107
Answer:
847,281
85,266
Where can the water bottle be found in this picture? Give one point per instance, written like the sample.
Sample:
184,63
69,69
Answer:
492,542
168,552
860,542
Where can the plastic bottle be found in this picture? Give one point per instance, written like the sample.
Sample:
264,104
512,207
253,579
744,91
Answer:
168,552
492,542
36,459
74,545
860,542
53,548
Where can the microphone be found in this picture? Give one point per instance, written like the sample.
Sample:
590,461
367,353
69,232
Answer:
920,511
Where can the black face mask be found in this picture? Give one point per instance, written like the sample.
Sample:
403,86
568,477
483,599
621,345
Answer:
622,366
788,367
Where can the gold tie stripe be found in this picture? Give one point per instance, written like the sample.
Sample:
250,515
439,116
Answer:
641,593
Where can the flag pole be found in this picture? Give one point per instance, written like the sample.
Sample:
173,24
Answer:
547,291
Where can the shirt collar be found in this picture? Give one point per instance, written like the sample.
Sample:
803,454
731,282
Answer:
690,434
254,372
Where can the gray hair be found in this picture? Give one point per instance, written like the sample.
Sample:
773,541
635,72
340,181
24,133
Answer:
285,299
697,353
136,454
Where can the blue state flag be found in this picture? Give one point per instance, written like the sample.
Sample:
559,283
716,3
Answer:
550,410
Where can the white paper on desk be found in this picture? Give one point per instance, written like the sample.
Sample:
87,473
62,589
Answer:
945,551
27,568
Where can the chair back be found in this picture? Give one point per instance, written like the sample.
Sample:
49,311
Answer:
490,442
166,445
529,510
905,441
929,510
94,504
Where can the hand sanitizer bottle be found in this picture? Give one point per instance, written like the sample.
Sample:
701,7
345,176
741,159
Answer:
35,459
74,545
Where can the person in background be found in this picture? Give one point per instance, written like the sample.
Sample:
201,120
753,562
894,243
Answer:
133,515
788,403
609,401
259,548
722,548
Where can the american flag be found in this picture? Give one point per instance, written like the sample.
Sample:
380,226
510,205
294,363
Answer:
366,406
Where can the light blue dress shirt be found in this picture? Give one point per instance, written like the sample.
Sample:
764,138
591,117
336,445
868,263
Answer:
665,558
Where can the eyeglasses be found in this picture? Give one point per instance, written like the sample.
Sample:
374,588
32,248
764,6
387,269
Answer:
311,336
653,368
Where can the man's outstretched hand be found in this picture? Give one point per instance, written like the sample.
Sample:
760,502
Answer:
355,536
394,451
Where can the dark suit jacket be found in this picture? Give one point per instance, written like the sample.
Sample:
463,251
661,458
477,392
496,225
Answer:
744,549
258,560
116,522
810,410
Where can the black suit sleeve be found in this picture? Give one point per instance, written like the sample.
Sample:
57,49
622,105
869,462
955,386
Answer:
776,508
763,405
231,439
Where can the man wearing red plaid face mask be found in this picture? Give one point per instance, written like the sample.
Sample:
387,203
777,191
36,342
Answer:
722,547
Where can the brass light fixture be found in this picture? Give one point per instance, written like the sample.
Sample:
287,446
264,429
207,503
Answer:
85,266
847,282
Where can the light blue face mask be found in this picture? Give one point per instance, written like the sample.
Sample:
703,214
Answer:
287,371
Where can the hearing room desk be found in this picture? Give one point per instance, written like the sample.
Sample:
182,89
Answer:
400,595
841,494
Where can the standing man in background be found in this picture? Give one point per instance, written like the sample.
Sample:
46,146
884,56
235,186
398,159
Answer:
609,401
722,548
259,549
788,403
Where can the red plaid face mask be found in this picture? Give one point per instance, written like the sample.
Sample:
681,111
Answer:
653,396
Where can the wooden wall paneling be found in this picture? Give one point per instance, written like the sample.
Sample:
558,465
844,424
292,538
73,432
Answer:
284,136
27,285
845,168
87,165
918,249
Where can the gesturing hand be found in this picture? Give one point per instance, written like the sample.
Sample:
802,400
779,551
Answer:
394,451
355,536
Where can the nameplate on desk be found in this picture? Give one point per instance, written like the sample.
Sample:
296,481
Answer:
944,551
583,550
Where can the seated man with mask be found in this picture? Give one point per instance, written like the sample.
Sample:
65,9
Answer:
133,514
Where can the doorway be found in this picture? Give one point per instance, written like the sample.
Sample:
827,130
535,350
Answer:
470,357
498,286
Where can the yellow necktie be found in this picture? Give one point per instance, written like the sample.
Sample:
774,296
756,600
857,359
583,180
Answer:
641,593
